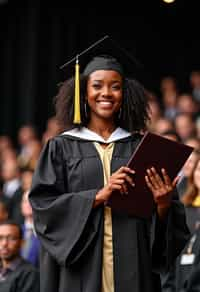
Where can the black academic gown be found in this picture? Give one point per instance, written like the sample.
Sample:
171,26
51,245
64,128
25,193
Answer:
65,183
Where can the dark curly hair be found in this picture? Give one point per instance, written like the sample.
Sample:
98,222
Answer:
133,115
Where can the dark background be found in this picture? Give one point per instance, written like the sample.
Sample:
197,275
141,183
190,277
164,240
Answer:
38,36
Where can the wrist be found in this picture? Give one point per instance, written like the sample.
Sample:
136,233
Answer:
102,196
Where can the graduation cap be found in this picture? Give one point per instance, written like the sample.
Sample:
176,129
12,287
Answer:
104,54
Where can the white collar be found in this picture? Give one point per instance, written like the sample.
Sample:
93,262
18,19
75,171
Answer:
87,134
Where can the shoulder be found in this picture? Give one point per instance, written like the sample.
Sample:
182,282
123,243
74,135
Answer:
27,266
134,137
56,143
62,147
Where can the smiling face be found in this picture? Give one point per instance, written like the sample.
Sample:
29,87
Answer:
104,95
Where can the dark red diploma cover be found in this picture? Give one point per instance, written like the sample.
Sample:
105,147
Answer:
159,152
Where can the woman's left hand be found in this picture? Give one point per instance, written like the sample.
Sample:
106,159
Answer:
161,187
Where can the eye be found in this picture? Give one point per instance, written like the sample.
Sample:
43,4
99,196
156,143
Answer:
96,86
116,87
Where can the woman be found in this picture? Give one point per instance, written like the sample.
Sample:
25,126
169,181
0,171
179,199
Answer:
86,246
191,197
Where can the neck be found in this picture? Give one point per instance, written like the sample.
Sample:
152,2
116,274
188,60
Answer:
5,264
102,128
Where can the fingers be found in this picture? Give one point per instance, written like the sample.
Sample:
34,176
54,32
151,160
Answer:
166,178
153,179
157,181
125,169
120,179
148,182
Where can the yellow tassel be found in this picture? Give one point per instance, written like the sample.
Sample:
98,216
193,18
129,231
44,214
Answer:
77,113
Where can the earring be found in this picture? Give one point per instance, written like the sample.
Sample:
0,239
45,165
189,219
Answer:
120,113
85,109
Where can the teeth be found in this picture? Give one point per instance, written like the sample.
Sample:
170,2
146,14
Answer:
105,102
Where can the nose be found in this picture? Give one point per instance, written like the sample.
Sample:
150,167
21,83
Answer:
4,242
106,91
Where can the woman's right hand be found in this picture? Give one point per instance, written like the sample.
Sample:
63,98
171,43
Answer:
117,182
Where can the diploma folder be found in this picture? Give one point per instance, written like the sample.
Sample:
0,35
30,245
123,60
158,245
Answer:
159,152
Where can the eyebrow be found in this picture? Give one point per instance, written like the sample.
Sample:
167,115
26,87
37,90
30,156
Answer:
100,80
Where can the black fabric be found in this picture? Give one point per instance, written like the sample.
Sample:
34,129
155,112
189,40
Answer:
184,278
103,63
65,183
24,279
15,207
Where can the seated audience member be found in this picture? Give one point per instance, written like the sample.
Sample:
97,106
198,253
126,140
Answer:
187,104
16,212
30,248
169,92
187,172
191,199
26,134
185,126
194,79
163,125
16,274
10,174
184,275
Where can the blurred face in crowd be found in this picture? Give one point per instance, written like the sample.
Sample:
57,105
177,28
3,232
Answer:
9,170
10,242
26,134
163,125
184,126
186,104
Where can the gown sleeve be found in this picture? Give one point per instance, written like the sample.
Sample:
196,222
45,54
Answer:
65,222
169,236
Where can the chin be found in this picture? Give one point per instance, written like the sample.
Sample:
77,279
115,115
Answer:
107,115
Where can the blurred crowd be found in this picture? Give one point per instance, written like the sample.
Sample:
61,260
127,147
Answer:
174,114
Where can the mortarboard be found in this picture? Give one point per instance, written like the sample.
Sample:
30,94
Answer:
104,54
